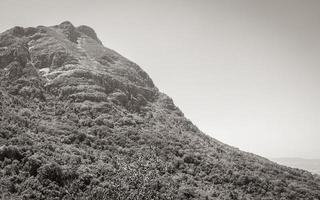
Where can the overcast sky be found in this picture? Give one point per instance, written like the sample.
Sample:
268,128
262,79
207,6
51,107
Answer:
245,72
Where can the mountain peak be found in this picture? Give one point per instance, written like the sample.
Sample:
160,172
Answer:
80,121
89,32
71,29
66,24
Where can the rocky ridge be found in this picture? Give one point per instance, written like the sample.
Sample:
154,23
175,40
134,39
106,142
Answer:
80,121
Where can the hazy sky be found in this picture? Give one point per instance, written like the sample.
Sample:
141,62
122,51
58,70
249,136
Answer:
245,72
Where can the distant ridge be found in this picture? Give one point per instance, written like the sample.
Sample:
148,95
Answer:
312,165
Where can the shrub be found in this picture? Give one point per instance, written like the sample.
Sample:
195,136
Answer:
52,172
32,165
10,152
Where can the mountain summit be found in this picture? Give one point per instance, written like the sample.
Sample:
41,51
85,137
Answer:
80,121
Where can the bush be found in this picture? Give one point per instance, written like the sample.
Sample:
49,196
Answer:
52,172
10,152
32,165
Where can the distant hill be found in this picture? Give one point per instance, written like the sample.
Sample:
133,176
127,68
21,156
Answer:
78,121
311,165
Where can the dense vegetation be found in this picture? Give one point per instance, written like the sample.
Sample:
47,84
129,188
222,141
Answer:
79,121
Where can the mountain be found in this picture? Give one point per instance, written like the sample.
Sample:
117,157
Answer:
80,121
312,165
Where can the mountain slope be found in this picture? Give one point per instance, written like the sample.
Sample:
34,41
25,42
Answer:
79,121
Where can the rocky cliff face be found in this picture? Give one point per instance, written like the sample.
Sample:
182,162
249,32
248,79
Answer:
79,121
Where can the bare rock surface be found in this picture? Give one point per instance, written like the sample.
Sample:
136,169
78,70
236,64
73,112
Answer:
80,121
